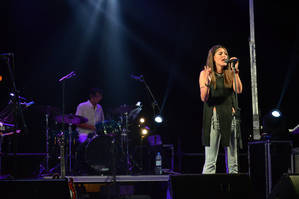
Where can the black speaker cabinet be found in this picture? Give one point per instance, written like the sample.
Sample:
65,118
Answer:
268,161
35,189
286,188
207,186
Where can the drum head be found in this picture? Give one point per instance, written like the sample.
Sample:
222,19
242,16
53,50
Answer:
99,153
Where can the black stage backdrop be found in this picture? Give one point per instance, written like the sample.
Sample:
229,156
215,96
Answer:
107,41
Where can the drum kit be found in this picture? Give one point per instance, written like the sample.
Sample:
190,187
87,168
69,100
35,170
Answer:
109,149
109,145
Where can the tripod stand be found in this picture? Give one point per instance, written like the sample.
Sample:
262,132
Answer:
124,139
45,168
125,143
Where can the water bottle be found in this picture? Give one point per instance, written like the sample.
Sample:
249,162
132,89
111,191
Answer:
158,164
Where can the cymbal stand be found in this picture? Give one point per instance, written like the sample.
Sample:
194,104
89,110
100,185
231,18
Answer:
62,158
47,142
1,140
124,141
113,190
70,148
46,166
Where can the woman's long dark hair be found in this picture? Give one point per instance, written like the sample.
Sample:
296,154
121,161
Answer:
228,74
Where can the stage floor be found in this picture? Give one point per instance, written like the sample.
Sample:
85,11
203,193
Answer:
118,178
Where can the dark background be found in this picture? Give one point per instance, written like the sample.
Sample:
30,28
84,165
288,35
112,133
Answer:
106,41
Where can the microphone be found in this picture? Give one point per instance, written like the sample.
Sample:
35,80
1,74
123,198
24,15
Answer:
68,76
138,78
231,61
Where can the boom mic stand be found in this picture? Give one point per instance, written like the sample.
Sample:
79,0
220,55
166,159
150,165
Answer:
154,106
62,136
16,99
11,64
154,103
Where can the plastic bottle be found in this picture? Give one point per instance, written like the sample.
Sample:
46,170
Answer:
158,164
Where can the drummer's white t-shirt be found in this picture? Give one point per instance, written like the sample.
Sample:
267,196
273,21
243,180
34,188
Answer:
94,115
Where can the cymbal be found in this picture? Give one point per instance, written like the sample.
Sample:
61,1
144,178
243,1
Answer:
71,119
122,109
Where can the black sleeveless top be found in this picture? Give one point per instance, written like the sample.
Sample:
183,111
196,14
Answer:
223,99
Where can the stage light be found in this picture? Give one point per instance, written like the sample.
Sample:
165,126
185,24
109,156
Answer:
274,125
138,104
145,131
158,119
276,113
141,120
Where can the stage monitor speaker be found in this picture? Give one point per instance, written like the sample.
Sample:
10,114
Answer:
211,186
286,188
35,189
268,161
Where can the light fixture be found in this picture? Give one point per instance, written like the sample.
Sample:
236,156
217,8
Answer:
158,119
138,104
276,113
141,120
274,125
145,130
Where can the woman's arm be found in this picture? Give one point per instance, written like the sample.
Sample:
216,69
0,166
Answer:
204,84
239,84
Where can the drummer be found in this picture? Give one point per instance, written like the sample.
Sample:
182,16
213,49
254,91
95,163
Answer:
93,111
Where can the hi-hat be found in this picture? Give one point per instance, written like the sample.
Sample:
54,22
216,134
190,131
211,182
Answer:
71,119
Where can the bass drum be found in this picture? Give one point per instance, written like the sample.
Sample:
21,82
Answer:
99,153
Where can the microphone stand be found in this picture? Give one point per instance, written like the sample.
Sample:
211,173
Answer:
61,142
237,112
62,136
154,103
